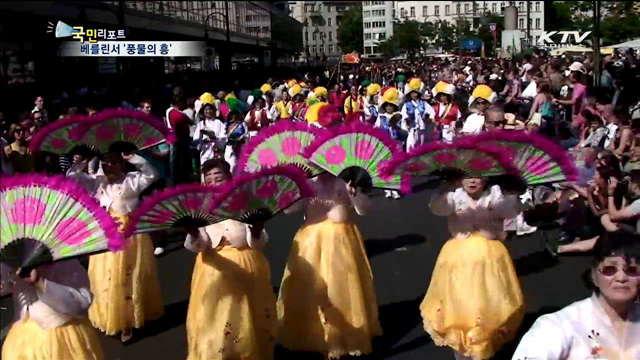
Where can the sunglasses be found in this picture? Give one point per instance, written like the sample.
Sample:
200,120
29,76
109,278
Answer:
482,102
629,270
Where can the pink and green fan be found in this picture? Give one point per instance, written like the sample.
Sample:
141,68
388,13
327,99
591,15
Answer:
120,126
280,144
357,152
257,197
458,159
56,137
183,205
50,218
537,159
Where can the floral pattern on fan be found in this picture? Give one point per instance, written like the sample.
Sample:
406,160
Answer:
362,147
57,137
257,197
122,126
183,205
48,218
280,144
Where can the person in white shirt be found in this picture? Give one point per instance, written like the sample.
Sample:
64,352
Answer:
39,102
480,99
209,134
609,115
531,90
603,326
417,115
526,66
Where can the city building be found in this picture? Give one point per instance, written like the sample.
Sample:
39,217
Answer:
472,11
377,23
320,20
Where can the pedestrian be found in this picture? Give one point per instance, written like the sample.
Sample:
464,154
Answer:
209,135
18,153
479,100
232,308
416,114
181,167
39,106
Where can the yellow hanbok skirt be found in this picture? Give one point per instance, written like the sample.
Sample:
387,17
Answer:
474,303
125,286
232,307
75,340
327,300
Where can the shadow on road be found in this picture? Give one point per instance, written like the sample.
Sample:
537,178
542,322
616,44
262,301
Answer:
397,320
380,246
533,263
174,315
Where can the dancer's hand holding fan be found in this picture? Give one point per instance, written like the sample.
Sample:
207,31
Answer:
182,207
537,159
451,161
356,152
126,129
280,144
257,197
44,219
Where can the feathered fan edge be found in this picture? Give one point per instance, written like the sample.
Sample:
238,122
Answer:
70,187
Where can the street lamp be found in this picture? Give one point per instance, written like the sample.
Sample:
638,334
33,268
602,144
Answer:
225,15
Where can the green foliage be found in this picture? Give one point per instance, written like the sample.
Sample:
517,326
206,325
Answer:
408,36
350,31
387,48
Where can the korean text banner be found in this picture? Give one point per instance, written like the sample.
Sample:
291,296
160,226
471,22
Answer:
133,48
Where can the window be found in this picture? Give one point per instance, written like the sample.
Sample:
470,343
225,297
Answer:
537,6
520,6
322,49
313,49
447,9
382,36
425,11
466,8
366,13
537,24
330,35
375,50
521,24
329,8
502,7
413,11
320,7
313,36
436,10
494,8
329,21
367,36
457,8
403,12
330,48
367,25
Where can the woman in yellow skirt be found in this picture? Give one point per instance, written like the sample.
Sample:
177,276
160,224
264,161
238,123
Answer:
232,308
327,301
474,303
125,283
50,305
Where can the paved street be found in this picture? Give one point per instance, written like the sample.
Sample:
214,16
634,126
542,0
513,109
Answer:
403,240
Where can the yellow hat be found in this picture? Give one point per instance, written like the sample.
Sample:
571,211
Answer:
291,82
444,88
265,88
320,91
390,95
312,112
207,98
295,90
415,84
303,84
373,89
484,92
229,96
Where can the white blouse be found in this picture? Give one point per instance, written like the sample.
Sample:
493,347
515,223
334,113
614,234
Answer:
467,215
235,232
121,197
205,144
66,294
581,331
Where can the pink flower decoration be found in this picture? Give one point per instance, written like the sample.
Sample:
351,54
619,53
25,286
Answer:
286,199
268,189
291,146
151,141
416,166
58,143
192,203
72,231
237,201
106,132
160,217
335,155
28,211
364,149
445,157
77,133
481,164
267,157
538,165
132,131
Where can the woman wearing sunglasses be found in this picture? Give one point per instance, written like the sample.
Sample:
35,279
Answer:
603,326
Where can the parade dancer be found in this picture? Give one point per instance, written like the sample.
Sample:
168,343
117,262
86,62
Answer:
327,301
371,108
209,134
446,112
237,132
125,283
353,106
232,308
474,303
416,115
257,118
389,121
298,105
50,305
283,107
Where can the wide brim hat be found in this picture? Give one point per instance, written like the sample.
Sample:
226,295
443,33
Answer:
373,89
320,91
483,92
443,88
391,96
265,88
414,85
295,90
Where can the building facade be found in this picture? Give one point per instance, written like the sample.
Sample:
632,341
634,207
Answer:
377,23
471,11
320,20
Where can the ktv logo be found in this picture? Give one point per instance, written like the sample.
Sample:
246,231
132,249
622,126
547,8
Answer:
545,39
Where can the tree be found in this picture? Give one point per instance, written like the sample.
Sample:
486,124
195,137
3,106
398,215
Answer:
350,31
439,34
620,28
387,48
408,36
